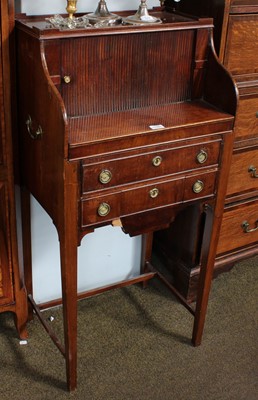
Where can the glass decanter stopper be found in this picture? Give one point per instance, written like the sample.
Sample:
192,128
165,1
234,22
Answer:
71,22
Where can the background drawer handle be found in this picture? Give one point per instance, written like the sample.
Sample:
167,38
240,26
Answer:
156,161
252,169
154,193
105,176
245,225
198,186
36,133
103,209
202,157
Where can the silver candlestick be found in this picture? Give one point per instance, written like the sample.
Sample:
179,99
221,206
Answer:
102,14
142,16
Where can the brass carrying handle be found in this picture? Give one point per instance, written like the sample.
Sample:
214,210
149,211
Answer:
245,225
253,172
34,134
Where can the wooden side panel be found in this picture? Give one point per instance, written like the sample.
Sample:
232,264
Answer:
6,289
42,158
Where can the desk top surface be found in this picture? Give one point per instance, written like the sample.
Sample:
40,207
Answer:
92,128
40,27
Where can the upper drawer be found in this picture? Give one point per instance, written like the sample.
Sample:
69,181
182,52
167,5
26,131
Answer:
246,123
243,174
160,162
241,55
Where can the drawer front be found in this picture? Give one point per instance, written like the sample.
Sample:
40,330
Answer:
101,209
239,227
243,176
131,201
150,165
246,123
241,56
199,186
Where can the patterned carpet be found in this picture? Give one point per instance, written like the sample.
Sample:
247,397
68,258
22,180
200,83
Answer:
135,344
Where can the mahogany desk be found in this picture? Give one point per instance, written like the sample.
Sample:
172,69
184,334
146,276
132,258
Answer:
124,125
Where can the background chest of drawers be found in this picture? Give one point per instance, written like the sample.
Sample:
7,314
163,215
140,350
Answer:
12,292
239,53
236,41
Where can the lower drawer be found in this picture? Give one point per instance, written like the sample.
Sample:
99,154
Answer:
107,207
239,227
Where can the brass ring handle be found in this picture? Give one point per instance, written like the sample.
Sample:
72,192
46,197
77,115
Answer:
245,225
103,209
198,186
36,134
105,176
202,157
156,161
154,193
253,172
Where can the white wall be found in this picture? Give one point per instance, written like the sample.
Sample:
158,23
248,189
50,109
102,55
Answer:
58,6
105,256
